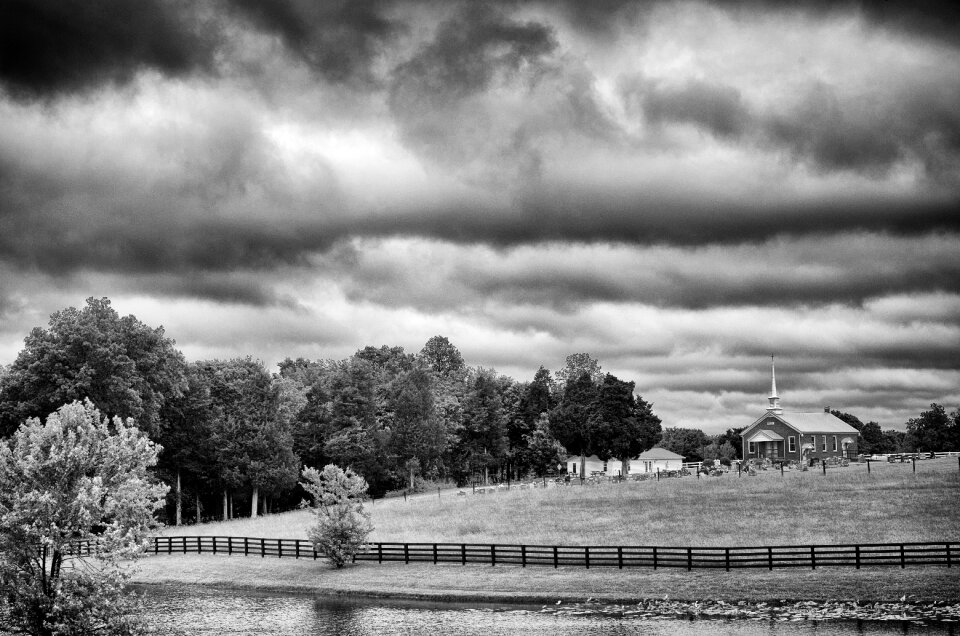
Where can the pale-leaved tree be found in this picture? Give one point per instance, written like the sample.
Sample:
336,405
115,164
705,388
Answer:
76,503
342,525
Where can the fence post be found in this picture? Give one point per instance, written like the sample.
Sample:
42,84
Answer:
183,542
698,472
229,546
914,464
493,555
463,554
739,467
856,550
658,474
246,547
586,556
296,550
434,553
156,547
406,553
523,556
556,560
770,558
279,548
781,469
903,557
654,557
868,466
813,557
263,548
689,559
726,558
379,553
823,463
948,555
620,557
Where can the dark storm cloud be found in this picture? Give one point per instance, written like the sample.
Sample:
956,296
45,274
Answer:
809,272
933,19
717,108
339,39
868,135
476,49
50,47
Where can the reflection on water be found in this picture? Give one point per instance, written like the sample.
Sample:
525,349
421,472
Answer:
199,611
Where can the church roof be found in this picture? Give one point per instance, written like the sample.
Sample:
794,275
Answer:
821,422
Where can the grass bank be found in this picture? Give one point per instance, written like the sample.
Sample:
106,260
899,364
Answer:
512,584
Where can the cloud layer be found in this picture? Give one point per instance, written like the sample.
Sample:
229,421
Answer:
679,188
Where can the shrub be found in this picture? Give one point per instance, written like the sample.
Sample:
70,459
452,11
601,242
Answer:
342,525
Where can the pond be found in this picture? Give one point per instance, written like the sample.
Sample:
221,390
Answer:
198,611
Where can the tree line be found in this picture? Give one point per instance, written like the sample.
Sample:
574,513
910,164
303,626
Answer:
234,436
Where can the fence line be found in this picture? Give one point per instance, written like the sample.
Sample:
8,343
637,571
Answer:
688,558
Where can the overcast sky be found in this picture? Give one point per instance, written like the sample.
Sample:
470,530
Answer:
678,189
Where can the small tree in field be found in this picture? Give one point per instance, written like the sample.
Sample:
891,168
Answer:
342,525
74,479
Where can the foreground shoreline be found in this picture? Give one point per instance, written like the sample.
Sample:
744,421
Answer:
877,594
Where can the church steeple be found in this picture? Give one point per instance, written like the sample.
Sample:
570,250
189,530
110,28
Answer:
774,399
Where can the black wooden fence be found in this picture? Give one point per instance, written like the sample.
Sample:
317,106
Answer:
688,558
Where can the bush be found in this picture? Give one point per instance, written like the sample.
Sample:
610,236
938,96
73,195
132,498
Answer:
342,525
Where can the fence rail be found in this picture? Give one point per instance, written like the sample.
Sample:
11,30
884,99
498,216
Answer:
688,558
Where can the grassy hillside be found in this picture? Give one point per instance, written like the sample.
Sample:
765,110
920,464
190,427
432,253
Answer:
846,505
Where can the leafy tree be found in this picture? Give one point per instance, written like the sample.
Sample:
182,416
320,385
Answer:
894,441
574,421
482,444
341,524
253,446
417,438
871,439
75,478
689,442
535,399
441,356
125,367
629,425
390,361
304,372
732,436
575,365
935,430
186,460
543,450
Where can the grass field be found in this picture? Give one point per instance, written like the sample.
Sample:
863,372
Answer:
847,505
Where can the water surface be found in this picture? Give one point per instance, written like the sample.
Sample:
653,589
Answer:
198,611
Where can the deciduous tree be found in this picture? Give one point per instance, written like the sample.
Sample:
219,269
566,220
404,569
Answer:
75,478
125,367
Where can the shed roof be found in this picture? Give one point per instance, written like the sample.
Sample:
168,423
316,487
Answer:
658,453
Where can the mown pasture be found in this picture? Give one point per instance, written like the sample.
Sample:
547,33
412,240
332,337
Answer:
891,503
